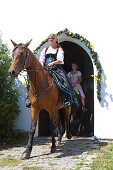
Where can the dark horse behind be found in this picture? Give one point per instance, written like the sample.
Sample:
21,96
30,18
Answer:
83,125
43,94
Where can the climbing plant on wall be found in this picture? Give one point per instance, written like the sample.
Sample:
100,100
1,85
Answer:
94,56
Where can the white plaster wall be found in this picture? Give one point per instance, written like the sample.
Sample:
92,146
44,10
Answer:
34,19
23,121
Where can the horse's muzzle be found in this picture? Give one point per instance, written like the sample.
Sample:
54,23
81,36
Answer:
14,73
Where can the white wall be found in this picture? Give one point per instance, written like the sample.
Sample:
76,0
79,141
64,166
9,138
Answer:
23,20
23,121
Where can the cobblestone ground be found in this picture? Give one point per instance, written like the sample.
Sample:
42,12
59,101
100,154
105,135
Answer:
69,154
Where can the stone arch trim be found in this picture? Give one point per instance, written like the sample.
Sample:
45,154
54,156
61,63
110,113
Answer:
66,35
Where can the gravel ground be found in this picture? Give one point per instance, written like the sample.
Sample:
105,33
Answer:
69,155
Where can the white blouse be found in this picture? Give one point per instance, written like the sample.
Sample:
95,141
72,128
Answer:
60,55
74,77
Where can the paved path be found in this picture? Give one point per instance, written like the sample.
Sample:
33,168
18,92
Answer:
68,156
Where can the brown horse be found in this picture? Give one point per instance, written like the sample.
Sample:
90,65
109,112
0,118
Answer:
43,94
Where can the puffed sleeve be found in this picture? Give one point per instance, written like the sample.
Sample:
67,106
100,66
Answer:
60,56
69,74
79,73
42,55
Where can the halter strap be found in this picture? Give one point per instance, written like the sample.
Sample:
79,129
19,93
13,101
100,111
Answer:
36,94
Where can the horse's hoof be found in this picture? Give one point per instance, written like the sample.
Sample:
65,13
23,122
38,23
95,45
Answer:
25,156
53,149
64,135
69,135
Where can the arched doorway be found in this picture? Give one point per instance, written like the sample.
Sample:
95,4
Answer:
75,53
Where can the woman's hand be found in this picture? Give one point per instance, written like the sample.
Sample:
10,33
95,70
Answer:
74,84
50,64
54,63
79,79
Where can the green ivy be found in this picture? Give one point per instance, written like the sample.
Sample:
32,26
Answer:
9,109
94,56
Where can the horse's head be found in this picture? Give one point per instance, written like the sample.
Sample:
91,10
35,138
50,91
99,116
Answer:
20,55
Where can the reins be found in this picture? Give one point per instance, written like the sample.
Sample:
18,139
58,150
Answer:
36,94
43,91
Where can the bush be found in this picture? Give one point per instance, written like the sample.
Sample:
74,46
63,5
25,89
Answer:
9,109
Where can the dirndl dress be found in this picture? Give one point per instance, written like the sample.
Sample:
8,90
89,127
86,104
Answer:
61,79
73,79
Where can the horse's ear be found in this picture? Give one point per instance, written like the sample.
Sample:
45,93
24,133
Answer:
27,44
14,43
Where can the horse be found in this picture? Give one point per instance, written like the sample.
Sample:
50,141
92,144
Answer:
43,94
84,122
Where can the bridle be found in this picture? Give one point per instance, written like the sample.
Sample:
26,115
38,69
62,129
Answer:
36,94
27,59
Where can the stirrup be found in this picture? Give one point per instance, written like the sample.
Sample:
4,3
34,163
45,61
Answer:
66,104
28,103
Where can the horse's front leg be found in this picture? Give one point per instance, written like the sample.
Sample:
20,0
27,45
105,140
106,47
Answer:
34,117
53,131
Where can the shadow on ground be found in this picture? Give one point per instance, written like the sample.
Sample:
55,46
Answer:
74,147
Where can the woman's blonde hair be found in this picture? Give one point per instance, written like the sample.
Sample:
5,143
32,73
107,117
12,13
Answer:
54,36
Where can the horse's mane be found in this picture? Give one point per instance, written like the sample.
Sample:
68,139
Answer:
34,57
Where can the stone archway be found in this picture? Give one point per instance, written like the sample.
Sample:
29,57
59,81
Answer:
76,51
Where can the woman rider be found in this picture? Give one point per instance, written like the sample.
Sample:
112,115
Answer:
52,59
